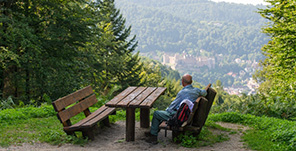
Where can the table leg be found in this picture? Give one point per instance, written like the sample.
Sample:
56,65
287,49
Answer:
144,117
130,124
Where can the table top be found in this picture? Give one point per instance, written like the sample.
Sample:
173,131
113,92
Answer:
137,97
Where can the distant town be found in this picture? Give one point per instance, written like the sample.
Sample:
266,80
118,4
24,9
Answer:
247,84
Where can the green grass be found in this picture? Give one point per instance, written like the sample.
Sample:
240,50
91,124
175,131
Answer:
31,124
205,138
40,124
267,133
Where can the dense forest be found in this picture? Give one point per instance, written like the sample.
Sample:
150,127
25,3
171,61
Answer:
225,31
49,49
52,48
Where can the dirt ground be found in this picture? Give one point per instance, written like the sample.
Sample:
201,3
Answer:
112,138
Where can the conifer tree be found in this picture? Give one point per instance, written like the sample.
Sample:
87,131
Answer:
120,65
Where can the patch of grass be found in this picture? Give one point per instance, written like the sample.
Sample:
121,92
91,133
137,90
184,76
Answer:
233,132
32,130
212,124
40,124
275,134
36,124
260,140
207,138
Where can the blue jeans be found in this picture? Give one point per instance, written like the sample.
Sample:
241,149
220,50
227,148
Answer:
158,117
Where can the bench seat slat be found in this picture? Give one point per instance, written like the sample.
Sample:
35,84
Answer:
98,118
91,116
95,117
65,101
77,108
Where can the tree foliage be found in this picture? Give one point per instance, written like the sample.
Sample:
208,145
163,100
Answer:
279,68
56,47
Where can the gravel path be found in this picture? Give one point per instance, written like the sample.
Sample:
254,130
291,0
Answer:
113,139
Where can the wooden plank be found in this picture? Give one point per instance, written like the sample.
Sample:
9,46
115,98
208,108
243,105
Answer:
147,103
77,108
65,101
211,94
140,98
119,97
199,117
125,102
86,119
98,118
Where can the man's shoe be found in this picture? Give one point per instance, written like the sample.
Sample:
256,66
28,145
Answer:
152,139
148,134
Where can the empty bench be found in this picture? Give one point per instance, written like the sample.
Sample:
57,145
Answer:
77,102
197,117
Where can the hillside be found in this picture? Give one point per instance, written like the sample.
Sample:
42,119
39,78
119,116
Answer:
227,35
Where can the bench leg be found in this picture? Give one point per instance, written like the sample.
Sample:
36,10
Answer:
130,124
106,122
71,133
144,117
88,133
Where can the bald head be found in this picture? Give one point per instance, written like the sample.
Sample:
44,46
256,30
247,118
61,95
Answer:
186,79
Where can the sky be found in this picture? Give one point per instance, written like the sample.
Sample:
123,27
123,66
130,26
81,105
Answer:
254,2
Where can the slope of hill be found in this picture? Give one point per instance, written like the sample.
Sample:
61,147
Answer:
226,32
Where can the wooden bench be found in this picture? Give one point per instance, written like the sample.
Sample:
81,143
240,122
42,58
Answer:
77,102
197,117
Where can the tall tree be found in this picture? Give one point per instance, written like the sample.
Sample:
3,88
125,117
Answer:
40,47
279,68
119,66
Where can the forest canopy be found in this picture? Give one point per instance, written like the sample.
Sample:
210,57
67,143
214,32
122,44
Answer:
55,47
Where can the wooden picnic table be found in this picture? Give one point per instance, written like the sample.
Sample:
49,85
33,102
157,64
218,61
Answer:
136,97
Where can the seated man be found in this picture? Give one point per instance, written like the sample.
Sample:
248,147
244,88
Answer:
188,92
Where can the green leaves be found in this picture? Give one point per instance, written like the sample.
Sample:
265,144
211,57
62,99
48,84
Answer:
56,47
278,72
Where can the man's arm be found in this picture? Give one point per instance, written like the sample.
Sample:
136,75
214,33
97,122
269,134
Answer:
203,92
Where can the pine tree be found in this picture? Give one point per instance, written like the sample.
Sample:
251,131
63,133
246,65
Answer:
119,65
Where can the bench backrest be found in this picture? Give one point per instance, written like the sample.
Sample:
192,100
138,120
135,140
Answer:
79,101
202,107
